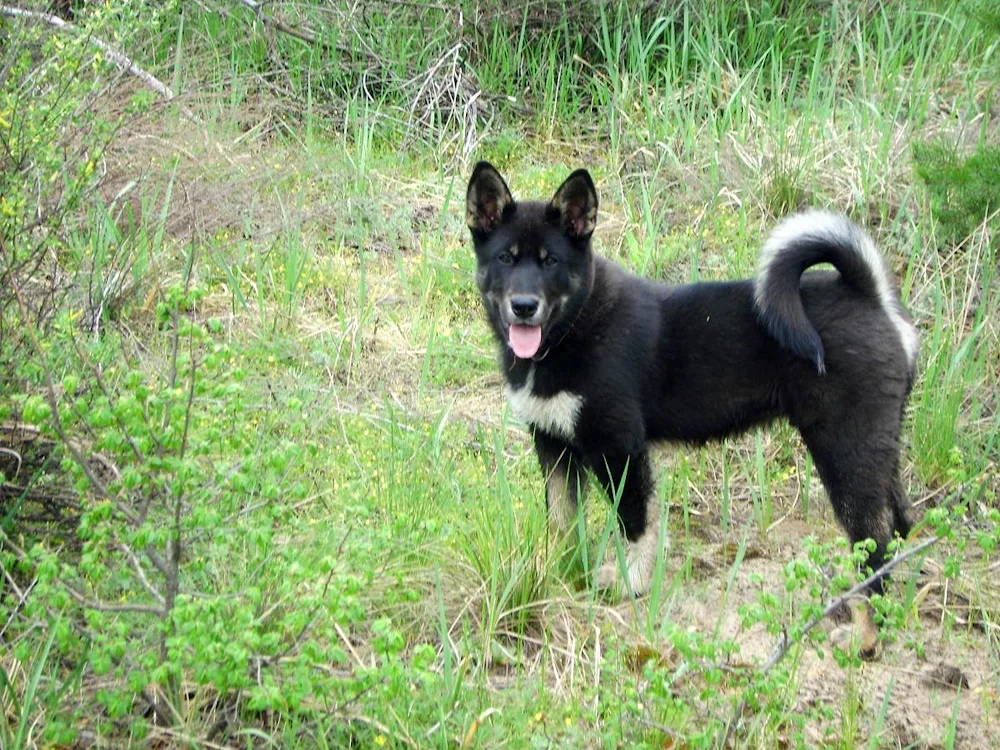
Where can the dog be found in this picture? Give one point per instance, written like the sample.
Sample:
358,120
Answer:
601,363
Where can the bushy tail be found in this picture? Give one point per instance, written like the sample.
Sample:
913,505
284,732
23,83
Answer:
801,241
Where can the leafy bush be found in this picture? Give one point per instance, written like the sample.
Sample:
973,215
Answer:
293,513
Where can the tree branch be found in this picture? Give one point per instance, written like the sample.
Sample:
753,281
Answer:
782,649
120,59
80,598
83,601
306,35
137,566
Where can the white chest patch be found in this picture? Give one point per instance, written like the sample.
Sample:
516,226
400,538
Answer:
556,414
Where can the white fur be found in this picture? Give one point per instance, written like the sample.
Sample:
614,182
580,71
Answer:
556,414
561,511
822,224
640,555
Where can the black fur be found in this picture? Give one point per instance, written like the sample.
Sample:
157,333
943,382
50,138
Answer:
698,362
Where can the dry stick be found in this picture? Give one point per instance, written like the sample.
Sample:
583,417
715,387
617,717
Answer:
123,61
137,566
419,5
782,649
302,33
306,35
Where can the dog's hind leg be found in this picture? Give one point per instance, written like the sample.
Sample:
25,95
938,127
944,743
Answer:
859,473
564,477
865,516
629,479
900,504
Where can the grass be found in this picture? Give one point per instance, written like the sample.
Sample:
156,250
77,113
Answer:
290,374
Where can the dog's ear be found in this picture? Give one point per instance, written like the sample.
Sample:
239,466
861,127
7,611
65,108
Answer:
487,199
574,206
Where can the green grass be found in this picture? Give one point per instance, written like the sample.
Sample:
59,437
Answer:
303,514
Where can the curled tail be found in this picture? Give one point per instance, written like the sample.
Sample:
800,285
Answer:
801,241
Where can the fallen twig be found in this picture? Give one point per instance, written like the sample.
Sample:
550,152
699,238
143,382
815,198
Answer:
306,35
124,63
782,649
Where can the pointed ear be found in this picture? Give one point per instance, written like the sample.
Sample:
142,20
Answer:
574,206
486,199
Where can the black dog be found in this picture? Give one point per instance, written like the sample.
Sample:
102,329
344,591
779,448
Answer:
601,363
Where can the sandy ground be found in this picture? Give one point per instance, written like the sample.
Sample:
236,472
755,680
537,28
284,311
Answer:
956,681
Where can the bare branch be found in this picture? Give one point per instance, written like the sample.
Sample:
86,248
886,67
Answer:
422,6
15,455
120,59
154,557
306,35
782,649
164,717
83,601
137,567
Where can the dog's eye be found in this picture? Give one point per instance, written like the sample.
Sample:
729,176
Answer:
550,260
506,258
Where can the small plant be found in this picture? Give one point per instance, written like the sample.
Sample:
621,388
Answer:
502,547
785,193
964,191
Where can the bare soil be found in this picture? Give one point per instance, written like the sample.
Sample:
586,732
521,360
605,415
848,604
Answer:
954,682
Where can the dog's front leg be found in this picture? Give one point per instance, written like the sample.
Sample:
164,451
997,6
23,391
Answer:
629,479
564,475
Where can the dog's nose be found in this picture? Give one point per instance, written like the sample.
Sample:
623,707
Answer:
523,305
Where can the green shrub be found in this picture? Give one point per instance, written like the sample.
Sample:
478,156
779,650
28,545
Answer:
964,191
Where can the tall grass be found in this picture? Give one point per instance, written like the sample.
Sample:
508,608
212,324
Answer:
958,350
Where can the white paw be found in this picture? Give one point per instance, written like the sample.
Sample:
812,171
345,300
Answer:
845,636
607,576
860,636
640,561
640,556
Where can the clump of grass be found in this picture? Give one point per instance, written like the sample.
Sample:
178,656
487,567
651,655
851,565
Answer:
950,420
964,191
503,548
785,193
984,12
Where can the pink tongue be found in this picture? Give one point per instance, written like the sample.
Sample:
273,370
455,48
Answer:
525,340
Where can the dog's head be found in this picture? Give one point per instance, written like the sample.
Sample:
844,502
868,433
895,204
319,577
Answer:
534,263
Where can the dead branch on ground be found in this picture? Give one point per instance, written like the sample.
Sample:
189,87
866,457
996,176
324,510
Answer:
124,63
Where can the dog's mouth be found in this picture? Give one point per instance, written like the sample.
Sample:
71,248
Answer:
525,340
